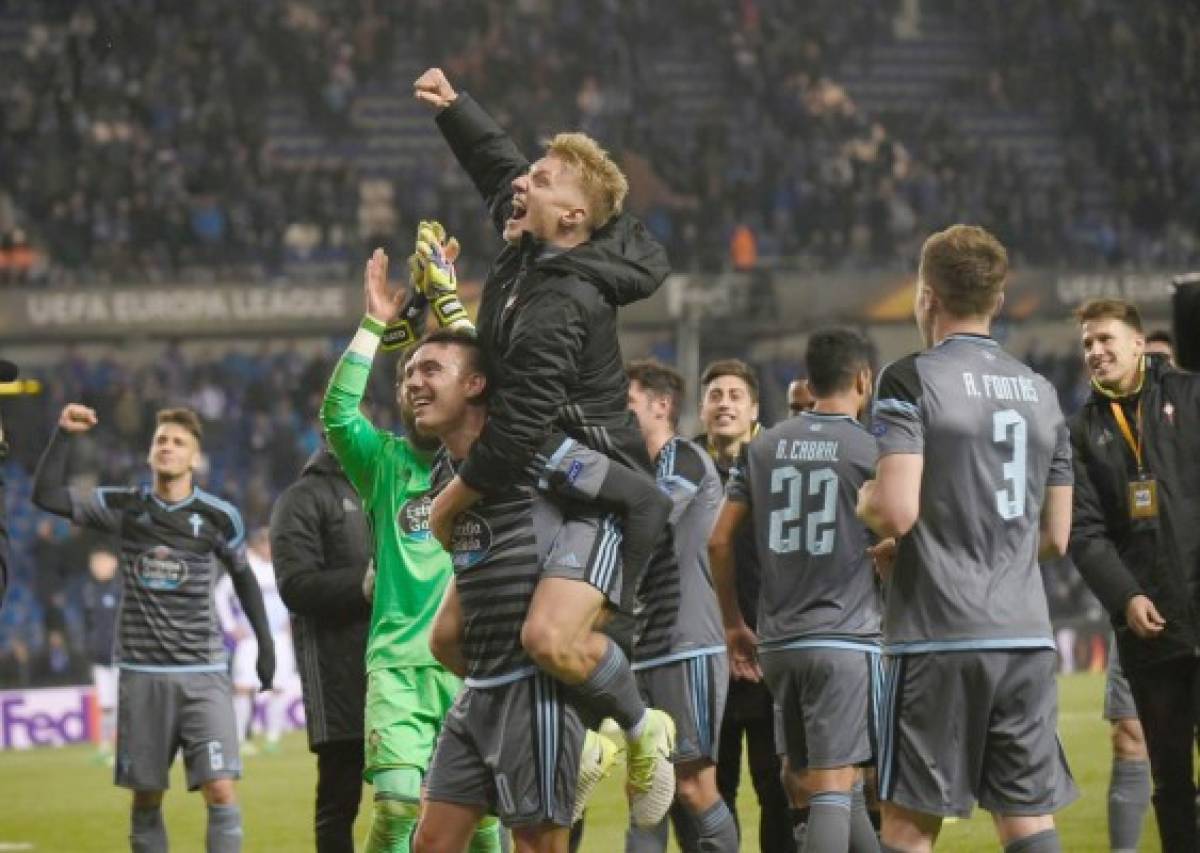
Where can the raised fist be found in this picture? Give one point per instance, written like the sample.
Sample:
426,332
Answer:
76,417
433,88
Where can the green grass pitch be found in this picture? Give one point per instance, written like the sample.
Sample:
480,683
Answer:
57,800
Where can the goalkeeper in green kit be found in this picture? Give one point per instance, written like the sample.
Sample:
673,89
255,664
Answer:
408,692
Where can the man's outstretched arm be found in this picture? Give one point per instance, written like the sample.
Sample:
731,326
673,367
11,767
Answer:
484,150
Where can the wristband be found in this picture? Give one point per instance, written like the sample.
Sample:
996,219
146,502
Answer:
372,325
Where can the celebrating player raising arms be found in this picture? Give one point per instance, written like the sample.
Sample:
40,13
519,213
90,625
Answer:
547,327
174,688
408,691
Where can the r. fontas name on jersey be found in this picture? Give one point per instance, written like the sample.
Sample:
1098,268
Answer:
413,518
158,568
472,540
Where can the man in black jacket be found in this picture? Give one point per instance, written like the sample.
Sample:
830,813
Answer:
548,327
321,546
1136,539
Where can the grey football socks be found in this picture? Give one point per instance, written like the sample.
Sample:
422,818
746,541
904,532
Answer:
1046,841
653,840
611,690
147,834
828,822
224,829
718,831
1128,800
863,838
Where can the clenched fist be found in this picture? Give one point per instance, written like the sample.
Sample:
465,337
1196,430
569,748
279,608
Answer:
76,417
433,88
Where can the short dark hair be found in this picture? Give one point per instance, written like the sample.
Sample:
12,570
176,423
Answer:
1160,336
660,380
183,417
464,339
1112,309
731,367
834,357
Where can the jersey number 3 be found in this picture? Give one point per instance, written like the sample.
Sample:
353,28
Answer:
1009,427
820,528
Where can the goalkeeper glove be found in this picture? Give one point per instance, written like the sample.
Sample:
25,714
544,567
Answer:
403,332
438,281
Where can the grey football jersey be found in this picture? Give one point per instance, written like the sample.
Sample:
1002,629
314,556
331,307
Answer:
993,438
801,479
172,556
688,476
498,549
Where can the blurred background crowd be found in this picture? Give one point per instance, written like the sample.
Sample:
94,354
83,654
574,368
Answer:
159,141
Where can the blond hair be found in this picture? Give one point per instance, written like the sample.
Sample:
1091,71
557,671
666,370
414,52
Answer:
967,268
604,185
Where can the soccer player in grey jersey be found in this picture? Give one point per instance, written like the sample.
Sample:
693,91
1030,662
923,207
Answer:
818,623
510,744
973,483
688,677
174,691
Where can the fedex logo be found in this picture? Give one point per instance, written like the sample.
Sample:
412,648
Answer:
44,717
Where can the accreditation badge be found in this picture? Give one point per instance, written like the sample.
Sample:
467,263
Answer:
1143,498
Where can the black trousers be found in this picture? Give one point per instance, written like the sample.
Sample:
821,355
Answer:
1167,696
750,714
339,790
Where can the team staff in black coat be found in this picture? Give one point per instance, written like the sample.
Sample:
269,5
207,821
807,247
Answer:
321,546
1135,537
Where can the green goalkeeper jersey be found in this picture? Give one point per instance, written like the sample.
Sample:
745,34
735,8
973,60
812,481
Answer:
392,476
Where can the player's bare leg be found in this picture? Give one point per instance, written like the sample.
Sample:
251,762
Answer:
908,831
445,827
559,634
543,838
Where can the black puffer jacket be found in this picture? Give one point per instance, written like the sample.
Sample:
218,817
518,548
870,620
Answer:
321,544
554,351
1120,557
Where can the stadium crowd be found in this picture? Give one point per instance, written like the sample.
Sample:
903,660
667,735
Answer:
137,147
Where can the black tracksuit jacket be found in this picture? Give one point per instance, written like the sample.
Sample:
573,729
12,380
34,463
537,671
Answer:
1120,557
320,546
548,322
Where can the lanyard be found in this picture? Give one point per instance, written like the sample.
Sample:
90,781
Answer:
1123,425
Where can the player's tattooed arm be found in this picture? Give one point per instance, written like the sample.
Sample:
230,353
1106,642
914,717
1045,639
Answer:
741,642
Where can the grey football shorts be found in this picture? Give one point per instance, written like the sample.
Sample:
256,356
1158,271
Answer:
1118,698
825,700
692,691
512,750
588,549
161,713
962,726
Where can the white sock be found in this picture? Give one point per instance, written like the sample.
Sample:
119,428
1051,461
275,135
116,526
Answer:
635,731
274,712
